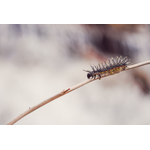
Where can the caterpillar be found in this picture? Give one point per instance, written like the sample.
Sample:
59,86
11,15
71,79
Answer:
111,66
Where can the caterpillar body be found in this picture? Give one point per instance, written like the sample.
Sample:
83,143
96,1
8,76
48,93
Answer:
111,66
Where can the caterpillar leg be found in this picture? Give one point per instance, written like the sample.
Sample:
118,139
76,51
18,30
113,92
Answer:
99,76
94,76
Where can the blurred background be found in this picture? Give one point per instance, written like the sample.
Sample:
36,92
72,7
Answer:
38,61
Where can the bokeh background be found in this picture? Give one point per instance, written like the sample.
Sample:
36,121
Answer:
38,61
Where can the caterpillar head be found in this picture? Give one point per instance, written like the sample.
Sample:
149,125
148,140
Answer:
89,75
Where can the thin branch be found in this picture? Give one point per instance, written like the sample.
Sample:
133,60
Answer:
138,65
67,91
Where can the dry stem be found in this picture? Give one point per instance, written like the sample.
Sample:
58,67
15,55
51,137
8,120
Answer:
65,92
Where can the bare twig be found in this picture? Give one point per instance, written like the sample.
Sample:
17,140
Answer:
67,91
138,65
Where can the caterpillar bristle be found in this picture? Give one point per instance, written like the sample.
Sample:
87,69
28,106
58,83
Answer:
86,70
119,60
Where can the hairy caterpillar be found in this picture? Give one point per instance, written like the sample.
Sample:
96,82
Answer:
111,66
